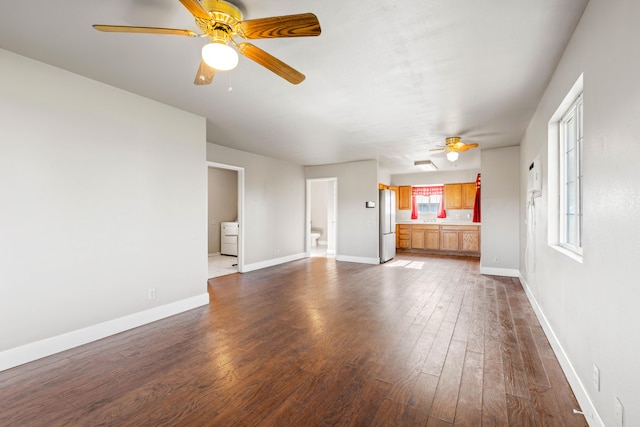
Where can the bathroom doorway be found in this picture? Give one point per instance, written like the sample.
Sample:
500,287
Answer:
225,201
322,208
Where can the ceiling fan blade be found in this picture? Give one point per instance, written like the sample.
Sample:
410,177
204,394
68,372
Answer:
205,74
148,30
439,149
302,25
465,147
270,62
196,9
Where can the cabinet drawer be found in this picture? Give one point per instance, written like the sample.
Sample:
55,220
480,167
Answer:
459,227
425,227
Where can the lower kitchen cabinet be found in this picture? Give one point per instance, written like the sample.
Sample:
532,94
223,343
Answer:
449,240
425,236
469,241
460,238
436,238
403,236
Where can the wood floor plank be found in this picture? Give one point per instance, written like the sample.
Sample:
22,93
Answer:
531,358
469,407
421,399
513,364
520,412
435,360
446,397
314,342
563,394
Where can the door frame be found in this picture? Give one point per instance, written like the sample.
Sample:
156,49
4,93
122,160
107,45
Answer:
240,171
330,236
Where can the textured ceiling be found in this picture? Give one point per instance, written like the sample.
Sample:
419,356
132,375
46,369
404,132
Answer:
386,80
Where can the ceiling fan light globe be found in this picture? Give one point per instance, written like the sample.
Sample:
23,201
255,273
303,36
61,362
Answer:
219,56
452,156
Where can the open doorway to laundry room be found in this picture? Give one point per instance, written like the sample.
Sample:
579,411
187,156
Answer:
322,208
225,200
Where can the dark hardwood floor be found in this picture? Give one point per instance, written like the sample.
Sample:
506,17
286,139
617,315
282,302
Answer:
427,342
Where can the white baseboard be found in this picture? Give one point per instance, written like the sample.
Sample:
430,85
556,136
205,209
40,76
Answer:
506,272
272,262
361,260
46,347
591,414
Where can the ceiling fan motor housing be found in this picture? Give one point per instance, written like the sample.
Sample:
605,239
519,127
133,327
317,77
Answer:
452,143
224,22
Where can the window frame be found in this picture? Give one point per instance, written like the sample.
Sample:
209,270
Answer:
571,177
554,177
430,203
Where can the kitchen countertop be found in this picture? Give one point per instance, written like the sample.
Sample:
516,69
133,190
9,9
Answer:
445,222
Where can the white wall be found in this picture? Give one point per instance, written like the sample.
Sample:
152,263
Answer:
222,203
357,226
434,178
592,307
103,196
500,206
274,206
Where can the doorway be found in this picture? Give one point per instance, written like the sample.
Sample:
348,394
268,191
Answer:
225,207
322,208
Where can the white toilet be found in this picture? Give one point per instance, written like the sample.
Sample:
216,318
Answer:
315,234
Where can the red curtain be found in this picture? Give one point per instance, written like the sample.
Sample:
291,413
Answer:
431,190
476,205
441,212
414,207
427,191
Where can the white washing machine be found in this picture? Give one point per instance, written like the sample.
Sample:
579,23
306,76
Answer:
229,238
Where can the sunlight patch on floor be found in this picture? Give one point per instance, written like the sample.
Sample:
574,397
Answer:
406,264
397,263
415,264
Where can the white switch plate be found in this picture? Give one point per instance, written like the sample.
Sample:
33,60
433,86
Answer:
619,413
152,293
596,377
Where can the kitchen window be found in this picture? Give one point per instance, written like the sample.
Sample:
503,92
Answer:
427,199
571,177
427,204
565,177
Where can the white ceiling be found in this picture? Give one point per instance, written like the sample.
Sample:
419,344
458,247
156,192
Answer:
385,79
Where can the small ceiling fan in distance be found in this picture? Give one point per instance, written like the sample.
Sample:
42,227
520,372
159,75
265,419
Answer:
221,21
453,146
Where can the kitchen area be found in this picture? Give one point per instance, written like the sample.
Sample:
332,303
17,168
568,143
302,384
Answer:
438,219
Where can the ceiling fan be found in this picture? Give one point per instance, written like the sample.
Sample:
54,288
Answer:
221,21
453,146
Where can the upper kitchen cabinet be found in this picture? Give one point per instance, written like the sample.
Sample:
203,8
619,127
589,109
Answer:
404,197
394,188
459,196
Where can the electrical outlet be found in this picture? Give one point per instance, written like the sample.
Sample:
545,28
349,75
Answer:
619,410
152,293
497,260
596,377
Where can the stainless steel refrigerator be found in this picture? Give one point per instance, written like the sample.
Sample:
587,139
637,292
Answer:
387,205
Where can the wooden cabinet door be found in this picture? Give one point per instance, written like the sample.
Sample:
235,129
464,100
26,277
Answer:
417,239
468,195
404,199
449,240
403,233
469,241
432,239
395,190
453,196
